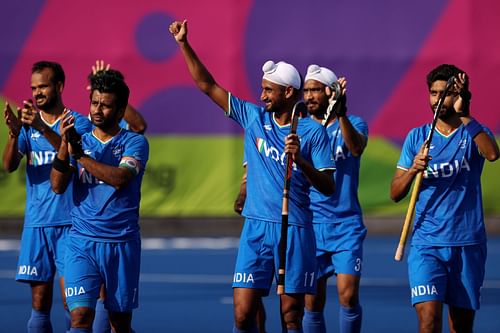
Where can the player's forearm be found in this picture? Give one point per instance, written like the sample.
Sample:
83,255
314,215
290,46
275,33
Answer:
321,180
61,170
135,120
200,74
114,176
487,146
11,157
401,184
354,141
59,180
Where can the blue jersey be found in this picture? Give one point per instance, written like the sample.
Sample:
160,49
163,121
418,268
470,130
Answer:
124,124
264,145
449,210
344,203
101,211
43,207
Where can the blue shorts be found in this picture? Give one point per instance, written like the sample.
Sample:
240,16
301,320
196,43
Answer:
42,253
89,264
258,257
453,275
339,247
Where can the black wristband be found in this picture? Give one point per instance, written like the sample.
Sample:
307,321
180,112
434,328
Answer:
60,165
341,110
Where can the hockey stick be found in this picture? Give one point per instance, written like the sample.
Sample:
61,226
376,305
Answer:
418,179
298,108
337,94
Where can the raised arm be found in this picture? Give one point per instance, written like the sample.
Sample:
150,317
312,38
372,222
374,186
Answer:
487,145
355,141
135,120
204,80
62,172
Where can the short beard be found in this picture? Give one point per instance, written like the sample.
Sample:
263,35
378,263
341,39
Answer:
446,114
49,104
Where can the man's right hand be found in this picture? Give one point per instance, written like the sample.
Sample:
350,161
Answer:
420,160
239,203
179,30
13,123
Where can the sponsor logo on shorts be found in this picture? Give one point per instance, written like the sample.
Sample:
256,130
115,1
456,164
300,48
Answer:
424,290
74,291
243,277
27,270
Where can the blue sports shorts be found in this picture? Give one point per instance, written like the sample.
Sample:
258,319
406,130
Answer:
258,257
89,264
453,274
42,253
339,247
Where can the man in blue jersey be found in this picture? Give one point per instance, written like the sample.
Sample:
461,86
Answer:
104,242
337,219
132,120
447,257
34,132
266,144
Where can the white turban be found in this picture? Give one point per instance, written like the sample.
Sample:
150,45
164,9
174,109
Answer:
281,73
321,74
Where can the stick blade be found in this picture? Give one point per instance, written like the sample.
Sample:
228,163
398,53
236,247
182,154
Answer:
299,109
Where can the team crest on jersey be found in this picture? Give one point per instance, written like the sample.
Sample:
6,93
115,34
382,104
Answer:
117,151
268,127
35,135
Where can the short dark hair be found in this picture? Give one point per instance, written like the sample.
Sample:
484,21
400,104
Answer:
110,82
111,72
442,73
56,68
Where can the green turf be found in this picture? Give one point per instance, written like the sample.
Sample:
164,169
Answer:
200,176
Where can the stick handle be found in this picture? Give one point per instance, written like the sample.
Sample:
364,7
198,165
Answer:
298,108
284,234
409,217
410,212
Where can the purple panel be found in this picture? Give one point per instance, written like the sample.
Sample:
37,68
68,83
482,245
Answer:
185,110
372,43
151,42
18,18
